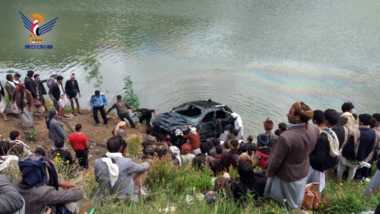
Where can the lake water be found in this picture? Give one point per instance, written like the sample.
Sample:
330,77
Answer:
258,57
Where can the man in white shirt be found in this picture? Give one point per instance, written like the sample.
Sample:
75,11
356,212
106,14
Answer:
238,124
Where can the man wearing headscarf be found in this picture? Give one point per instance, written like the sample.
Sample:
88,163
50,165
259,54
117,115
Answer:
24,101
56,131
325,153
39,186
268,126
288,163
349,125
72,91
359,146
238,124
186,156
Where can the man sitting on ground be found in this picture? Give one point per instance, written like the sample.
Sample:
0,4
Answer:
186,156
114,173
231,157
262,153
64,155
149,139
19,148
39,186
201,160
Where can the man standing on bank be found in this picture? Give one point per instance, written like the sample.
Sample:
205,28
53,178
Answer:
98,102
72,91
122,110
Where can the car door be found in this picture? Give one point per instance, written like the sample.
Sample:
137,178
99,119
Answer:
207,126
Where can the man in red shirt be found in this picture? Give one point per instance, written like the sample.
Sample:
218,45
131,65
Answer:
194,139
79,143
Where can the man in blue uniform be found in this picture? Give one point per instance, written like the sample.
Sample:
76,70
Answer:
98,102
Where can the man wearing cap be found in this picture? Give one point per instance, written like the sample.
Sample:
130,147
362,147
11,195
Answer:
268,126
98,102
261,155
186,156
288,163
58,96
72,91
238,124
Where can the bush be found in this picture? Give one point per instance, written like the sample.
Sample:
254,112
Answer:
31,135
130,96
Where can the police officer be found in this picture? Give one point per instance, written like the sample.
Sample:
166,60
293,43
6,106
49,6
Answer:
98,102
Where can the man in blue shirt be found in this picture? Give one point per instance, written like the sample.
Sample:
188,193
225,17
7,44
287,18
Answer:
98,102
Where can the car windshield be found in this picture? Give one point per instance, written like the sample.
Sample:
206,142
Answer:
188,112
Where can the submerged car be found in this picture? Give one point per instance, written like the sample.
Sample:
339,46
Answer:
206,115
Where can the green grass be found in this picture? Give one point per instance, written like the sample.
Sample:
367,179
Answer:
168,187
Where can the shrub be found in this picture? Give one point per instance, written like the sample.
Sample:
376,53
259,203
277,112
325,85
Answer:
31,135
130,96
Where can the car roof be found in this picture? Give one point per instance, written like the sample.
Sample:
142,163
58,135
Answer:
206,103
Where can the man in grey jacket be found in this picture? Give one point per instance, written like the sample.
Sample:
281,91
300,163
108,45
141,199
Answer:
113,172
11,200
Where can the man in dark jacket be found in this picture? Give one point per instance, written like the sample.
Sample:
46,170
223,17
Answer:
203,160
326,150
72,91
146,114
41,89
358,147
58,96
31,85
231,157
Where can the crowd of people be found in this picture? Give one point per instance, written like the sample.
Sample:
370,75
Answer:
277,164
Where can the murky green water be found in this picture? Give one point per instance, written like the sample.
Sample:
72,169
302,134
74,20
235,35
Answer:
256,56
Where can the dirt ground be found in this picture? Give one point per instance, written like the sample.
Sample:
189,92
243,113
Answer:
98,133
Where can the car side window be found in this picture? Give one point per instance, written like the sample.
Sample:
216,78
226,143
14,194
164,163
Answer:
208,117
220,115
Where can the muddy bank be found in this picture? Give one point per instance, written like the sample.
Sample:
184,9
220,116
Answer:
97,136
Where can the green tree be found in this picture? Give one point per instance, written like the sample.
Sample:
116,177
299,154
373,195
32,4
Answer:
130,96
92,65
